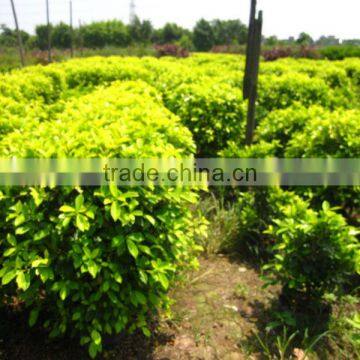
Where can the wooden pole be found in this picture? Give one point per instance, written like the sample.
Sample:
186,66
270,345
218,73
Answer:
71,31
18,33
252,69
81,40
48,32
249,49
253,81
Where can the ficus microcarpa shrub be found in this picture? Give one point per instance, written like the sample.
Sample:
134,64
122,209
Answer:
93,262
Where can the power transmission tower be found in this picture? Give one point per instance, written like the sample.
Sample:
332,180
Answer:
132,15
48,31
19,39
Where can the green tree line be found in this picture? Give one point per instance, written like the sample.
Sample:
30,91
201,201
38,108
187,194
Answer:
114,33
202,37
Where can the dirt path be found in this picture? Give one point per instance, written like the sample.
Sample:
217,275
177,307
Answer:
215,312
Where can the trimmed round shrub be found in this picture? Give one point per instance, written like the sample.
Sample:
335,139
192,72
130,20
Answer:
33,83
257,210
281,125
215,114
92,262
335,135
278,92
314,253
97,71
16,115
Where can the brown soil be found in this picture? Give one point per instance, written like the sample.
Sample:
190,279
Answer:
215,312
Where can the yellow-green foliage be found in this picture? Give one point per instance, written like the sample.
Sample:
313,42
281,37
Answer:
105,123
98,261
214,112
185,84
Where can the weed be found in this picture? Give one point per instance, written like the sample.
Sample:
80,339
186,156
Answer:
223,225
241,290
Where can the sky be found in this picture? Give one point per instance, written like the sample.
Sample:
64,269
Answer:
282,18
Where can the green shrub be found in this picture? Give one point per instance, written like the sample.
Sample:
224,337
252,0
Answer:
340,52
33,83
330,134
315,253
96,261
336,135
312,132
279,92
352,68
298,132
214,113
257,209
281,125
99,71
29,96
262,149
16,115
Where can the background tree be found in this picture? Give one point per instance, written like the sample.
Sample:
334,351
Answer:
186,42
171,33
42,36
229,32
305,39
61,36
328,41
354,42
272,41
203,36
147,31
94,35
117,33
135,30
8,36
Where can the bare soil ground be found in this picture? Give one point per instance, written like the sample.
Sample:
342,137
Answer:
215,311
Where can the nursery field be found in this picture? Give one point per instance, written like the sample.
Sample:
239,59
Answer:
280,266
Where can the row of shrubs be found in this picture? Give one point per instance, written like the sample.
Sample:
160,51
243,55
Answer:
272,53
68,243
314,132
307,238
204,91
336,52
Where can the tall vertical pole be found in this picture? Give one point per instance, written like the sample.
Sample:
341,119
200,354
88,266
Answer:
71,31
249,49
252,69
48,31
253,80
81,40
19,39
